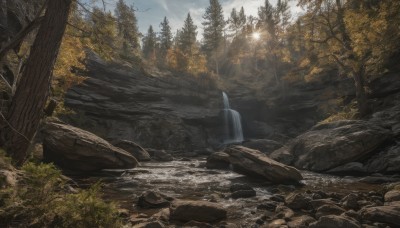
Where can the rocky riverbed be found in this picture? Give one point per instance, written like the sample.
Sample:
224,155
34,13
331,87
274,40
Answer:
321,200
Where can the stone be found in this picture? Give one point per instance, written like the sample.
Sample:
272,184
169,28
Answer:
352,214
327,146
154,224
379,179
298,201
150,199
351,168
300,221
283,212
265,146
335,221
253,162
218,160
277,198
237,187
269,206
351,201
75,149
201,211
392,196
277,223
320,202
197,224
384,214
243,194
387,161
134,149
160,155
162,215
329,209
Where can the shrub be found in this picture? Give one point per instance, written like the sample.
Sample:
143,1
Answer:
39,200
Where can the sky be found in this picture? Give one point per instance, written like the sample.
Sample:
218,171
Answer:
152,12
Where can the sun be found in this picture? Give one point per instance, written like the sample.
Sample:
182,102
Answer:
256,35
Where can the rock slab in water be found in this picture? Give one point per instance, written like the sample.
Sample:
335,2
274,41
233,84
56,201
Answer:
218,160
75,149
134,149
201,211
159,155
384,214
330,145
150,199
254,162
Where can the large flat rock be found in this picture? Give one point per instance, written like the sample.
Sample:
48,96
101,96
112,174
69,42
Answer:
254,162
75,149
327,146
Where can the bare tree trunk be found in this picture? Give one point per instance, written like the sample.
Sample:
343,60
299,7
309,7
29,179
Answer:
361,95
31,95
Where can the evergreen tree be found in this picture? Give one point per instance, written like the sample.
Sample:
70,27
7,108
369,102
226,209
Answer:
127,27
214,25
187,36
150,44
165,41
237,20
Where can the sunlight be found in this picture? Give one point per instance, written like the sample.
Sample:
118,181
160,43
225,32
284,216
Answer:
256,35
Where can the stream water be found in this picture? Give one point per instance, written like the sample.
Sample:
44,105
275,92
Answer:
191,180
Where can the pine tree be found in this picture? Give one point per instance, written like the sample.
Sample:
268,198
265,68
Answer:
237,20
127,27
165,41
214,25
187,36
150,44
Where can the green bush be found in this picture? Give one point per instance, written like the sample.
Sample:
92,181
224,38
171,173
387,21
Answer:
40,200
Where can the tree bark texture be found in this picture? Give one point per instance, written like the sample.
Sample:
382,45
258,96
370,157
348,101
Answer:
31,95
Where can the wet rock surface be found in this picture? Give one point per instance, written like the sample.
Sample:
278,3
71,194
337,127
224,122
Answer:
134,149
322,200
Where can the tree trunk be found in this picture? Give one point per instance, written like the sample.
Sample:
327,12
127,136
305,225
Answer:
30,98
3,22
361,95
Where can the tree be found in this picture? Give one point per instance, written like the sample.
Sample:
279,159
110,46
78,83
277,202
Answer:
165,40
27,105
214,25
150,44
103,29
355,36
187,36
237,21
127,27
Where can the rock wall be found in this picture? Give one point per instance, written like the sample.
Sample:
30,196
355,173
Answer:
162,112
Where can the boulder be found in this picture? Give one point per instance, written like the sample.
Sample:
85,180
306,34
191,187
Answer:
150,199
335,221
392,196
329,209
385,214
201,211
218,160
330,145
159,155
301,221
134,149
254,162
351,168
265,146
387,161
298,201
75,149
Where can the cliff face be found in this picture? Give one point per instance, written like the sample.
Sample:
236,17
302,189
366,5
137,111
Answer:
180,113
119,102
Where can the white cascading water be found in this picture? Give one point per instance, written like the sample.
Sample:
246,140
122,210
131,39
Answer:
233,124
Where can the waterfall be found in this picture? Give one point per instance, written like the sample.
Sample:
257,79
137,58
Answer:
233,125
